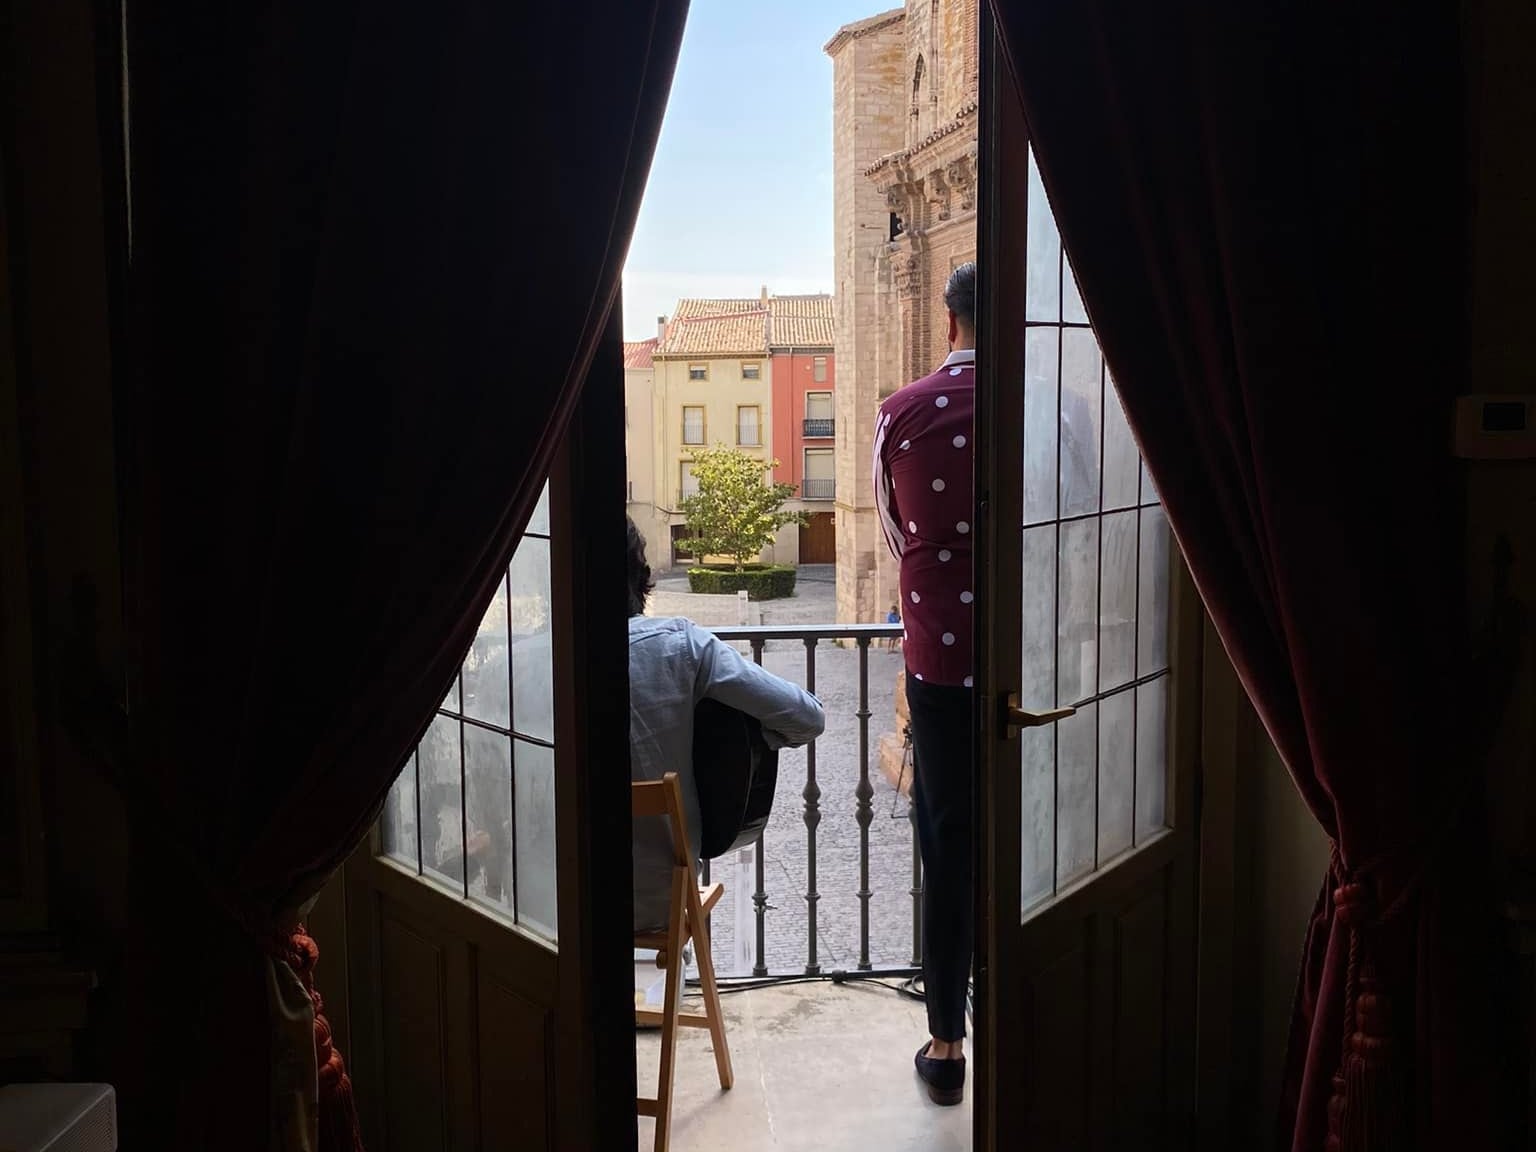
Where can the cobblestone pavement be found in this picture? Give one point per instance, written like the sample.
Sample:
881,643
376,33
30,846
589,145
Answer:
786,870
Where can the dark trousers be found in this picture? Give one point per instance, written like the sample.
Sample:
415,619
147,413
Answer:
941,795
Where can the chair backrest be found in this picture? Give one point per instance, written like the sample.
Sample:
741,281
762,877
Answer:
664,797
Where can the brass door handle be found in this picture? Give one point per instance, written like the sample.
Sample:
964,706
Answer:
1015,717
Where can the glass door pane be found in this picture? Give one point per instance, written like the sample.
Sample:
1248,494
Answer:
1095,579
473,808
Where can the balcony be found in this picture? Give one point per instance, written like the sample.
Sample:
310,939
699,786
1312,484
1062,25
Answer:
819,429
818,489
820,1067
775,918
832,889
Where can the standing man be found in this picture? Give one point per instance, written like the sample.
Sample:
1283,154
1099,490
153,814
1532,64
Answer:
923,489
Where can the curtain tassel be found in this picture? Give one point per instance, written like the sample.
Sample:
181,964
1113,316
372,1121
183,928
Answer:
339,1130
1365,1110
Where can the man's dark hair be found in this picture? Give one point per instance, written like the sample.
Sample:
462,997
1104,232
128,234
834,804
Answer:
640,582
960,293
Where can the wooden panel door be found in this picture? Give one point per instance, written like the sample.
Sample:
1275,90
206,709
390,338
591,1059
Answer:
818,539
1089,711
487,943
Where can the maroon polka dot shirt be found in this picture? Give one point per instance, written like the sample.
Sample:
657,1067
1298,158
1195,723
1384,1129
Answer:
923,490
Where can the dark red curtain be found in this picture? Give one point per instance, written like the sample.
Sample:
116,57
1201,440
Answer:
373,246
1265,208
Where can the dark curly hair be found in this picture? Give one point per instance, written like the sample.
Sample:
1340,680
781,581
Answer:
640,582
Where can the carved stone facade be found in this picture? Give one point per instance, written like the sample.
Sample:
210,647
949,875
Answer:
904,179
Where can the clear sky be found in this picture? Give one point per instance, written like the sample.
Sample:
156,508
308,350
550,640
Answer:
740,193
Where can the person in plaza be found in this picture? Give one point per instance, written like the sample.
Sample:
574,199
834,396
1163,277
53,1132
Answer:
674,664
893,617
923,490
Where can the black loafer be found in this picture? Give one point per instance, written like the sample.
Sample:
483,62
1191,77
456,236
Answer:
944,1079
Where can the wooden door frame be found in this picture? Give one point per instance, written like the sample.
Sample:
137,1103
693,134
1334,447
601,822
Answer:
1226,1080
1215,736
596,1047
1000,277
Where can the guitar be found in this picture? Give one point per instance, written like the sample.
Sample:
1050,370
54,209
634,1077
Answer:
735,773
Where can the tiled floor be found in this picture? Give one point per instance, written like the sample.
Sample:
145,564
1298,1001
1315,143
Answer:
818,1066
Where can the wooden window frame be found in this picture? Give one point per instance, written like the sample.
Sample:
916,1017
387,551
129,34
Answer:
704,424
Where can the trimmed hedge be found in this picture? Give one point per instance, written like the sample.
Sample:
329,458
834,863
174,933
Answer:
760,582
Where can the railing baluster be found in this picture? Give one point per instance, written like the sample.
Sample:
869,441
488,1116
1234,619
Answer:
812,797
760,897
864,794
756,958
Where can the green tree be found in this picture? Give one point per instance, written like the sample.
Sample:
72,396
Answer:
737,512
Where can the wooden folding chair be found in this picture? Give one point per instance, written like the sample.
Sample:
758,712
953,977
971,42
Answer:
688,908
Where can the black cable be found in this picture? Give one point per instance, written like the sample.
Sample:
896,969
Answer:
911,987
907,988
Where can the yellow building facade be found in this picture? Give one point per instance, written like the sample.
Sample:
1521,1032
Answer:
713,387
707,380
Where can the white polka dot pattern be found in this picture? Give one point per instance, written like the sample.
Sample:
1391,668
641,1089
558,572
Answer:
970,681
922,458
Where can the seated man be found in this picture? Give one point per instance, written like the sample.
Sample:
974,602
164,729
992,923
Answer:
673,664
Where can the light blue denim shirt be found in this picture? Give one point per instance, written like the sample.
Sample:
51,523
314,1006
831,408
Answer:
673,664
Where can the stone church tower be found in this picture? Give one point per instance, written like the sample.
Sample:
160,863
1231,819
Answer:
904,214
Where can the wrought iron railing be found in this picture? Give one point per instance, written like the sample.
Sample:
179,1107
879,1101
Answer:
817,638
814,429
818,489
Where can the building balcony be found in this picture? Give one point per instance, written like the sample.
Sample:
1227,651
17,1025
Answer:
819,429
818,489
818,935
818,1066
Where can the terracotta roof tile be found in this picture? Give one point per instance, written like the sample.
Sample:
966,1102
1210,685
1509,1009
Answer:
800,322
746,327
716,328
638,353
